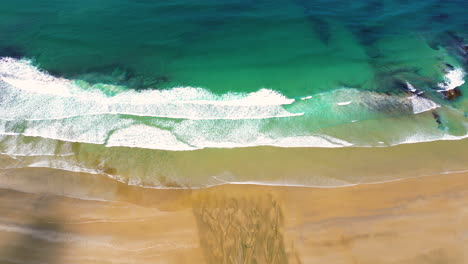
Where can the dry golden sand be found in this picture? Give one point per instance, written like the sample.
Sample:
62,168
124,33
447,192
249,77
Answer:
419,220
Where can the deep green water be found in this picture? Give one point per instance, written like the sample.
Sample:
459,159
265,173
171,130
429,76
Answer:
122,76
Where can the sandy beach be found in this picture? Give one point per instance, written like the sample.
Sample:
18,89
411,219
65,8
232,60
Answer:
419,220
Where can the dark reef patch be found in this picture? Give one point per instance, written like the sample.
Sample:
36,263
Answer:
374,7
393,80
368,35
456,44
438,120
319,25
322,28
116,74
441,17
12,51
123,75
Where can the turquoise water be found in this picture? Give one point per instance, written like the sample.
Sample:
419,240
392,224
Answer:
120,77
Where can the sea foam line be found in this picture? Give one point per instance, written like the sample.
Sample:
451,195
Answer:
59,98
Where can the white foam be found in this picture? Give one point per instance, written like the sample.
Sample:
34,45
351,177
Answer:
63,165
54,87
182,136
10,146
453,79
421,104
344,103
410,87
85,129
31,94
142,136
424,137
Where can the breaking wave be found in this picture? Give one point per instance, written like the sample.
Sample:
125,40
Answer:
36,104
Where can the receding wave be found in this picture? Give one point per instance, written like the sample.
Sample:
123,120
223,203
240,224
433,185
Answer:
330,167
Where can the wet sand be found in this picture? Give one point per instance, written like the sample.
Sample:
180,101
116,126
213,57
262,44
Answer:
419,220
312,167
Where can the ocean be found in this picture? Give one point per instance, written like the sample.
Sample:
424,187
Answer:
191,94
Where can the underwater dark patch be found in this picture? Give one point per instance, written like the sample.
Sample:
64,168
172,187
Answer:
12,51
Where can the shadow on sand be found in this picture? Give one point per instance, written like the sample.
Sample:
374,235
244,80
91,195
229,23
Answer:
246,229
39,241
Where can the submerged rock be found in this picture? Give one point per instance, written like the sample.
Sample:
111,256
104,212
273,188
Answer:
452,94
450,66
406,87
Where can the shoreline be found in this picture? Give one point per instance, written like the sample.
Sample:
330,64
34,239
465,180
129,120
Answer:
314,167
